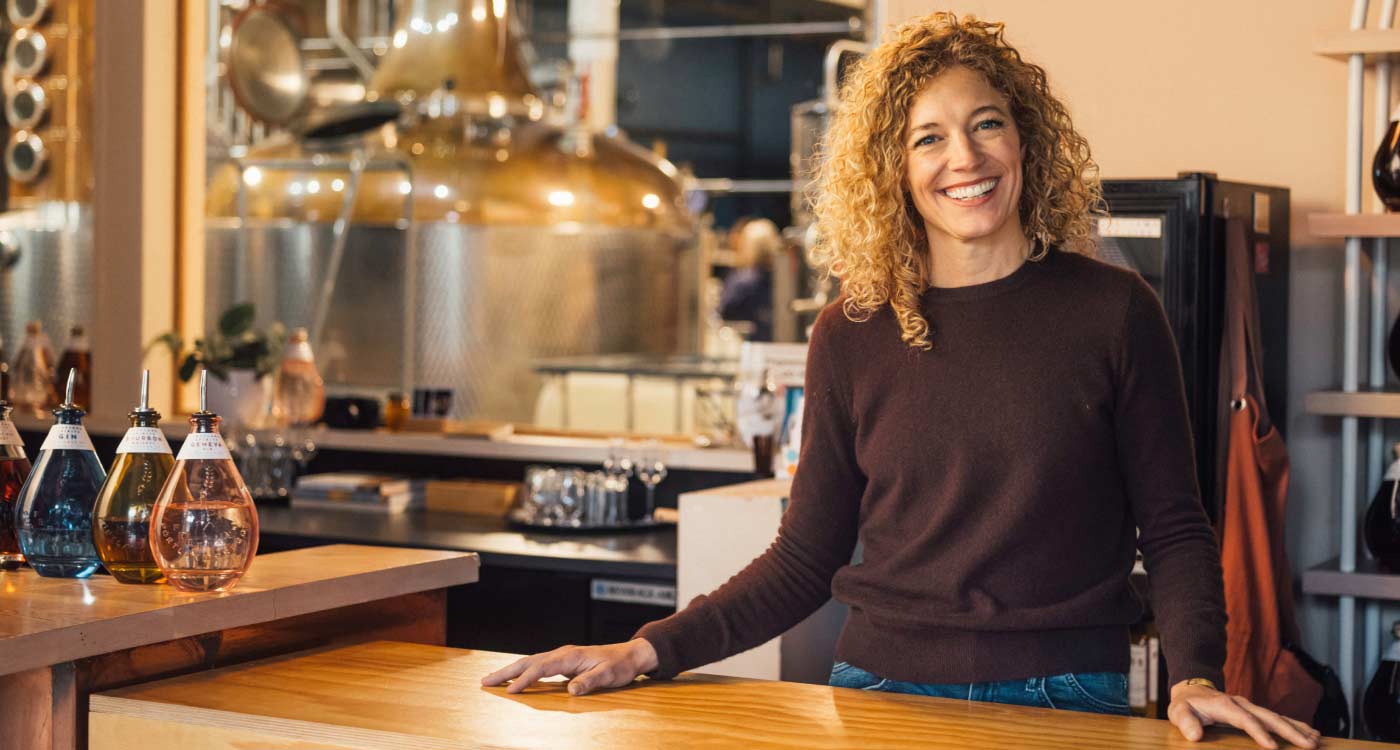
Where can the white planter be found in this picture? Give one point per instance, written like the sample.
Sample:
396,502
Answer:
240,400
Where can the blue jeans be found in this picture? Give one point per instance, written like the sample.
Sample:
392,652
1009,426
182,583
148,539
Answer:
1093,692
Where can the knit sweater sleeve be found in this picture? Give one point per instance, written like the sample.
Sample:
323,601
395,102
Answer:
1156,456
816,537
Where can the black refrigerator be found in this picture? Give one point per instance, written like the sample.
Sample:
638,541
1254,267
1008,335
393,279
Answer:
1172,231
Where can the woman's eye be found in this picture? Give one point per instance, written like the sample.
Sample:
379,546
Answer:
990,124
926,140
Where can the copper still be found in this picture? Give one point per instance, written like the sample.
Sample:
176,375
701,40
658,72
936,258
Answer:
452,246
46,226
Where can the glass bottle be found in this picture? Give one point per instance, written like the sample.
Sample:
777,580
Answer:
204,525
76,357
300,395
32,383
1385,166
1382,527
1380,708
121,523
14,469
54,518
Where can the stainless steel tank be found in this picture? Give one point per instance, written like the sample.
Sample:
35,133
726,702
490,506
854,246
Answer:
451,248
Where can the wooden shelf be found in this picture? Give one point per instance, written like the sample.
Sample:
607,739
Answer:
1371,403
1367,582
1374,43
1354,225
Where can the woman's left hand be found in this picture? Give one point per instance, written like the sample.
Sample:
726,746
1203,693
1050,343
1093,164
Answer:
1195,707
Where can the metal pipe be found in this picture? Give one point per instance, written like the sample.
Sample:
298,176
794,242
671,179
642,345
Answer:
1380,270
661,33
1346,616
727,185
831,68
343,42
340,232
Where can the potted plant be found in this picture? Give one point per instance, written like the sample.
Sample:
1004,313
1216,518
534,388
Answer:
240,358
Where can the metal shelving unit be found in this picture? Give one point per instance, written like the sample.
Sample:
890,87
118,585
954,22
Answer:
1365,581
1352,577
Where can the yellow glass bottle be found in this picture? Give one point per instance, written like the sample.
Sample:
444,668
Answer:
122,517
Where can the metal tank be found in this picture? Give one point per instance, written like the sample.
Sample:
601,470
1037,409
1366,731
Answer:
46,186
451,248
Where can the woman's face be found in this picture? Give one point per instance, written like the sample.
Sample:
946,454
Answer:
963,159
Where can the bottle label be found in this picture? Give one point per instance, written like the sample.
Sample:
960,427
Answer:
71,437
144,440
8,434
1392,472
1137,675
203,445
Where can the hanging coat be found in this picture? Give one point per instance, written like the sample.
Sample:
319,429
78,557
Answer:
1258,582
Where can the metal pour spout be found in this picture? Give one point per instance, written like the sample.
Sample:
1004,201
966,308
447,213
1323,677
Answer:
145,390
68,392
203,390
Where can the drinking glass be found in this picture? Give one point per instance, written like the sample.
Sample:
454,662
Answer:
650,466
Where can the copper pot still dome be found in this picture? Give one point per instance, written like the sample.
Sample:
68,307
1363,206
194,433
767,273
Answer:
459,241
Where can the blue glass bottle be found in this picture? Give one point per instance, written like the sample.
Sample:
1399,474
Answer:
53,519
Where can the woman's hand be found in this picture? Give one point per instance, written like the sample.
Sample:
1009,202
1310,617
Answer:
589,667
1195,707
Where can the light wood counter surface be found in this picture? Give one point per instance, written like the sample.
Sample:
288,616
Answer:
63,639
46,621
390,696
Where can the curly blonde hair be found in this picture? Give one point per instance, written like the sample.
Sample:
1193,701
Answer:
868,232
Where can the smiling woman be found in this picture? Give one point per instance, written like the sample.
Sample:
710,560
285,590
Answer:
998,418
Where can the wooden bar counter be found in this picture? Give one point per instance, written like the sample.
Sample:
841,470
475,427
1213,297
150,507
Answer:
63,639
395,696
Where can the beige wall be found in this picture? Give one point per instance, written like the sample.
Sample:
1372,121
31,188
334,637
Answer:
1229,86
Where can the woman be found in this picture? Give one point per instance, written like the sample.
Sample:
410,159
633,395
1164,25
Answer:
990,411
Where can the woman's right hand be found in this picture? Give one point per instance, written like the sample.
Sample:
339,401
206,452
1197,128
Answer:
588,668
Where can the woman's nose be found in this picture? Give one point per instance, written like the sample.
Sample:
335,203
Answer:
963,152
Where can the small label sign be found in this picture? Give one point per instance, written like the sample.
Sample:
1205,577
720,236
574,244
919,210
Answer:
630,592
72,437
144,440
203,445
8,434
1127,226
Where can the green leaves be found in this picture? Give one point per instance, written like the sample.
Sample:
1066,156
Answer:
236,345
237,320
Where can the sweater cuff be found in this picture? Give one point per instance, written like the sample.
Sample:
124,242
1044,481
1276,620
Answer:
667,660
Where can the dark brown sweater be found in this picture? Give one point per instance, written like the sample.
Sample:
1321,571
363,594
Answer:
994,484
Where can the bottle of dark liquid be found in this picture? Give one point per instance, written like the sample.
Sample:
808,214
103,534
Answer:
1385,167
14,469
76,358
1380,708
1382,529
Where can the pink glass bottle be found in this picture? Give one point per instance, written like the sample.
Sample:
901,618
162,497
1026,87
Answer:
205,526
300,395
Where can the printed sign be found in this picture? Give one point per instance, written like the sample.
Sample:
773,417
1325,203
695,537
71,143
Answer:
629,592
1123,226
144,440
71,437
203,445
8,434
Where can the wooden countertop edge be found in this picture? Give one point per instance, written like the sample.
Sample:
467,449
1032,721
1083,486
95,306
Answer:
211,613
243,728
